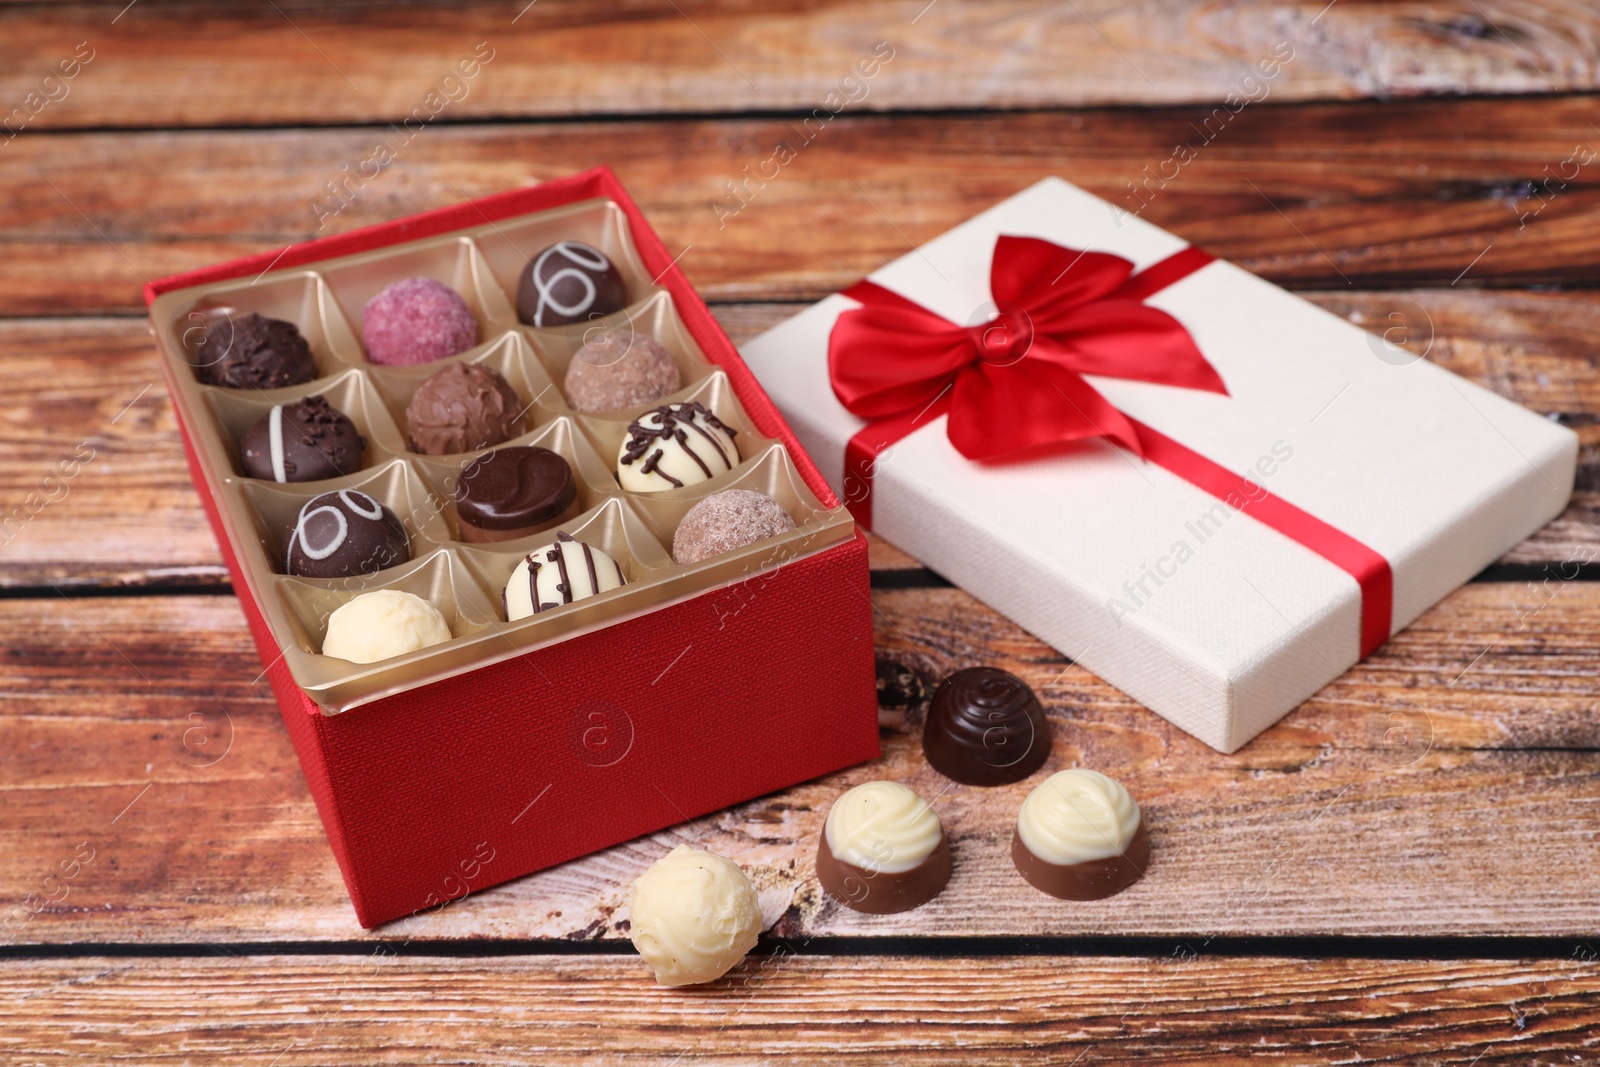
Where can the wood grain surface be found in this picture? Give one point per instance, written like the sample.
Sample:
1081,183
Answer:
1329,196
159,65
1185,1009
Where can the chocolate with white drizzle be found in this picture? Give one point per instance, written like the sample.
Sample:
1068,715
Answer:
344,533
673,446
557,574
567,283
303,441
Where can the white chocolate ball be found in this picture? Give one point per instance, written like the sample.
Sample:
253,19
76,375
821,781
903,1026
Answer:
381,624
1078,815
882,826
673,446
556,574
693,916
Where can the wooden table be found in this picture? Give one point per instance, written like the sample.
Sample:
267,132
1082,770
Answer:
1405,870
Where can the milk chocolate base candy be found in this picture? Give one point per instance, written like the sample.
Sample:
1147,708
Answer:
985,727
1088,880
882,850
1080,836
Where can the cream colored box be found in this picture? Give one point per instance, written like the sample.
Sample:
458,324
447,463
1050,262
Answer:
1203,614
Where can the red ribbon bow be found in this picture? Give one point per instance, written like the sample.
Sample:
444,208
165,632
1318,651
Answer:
1015,383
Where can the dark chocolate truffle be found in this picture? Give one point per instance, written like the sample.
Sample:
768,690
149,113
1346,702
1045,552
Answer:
569,282
462,408
253,352
344,533
513,491
618,368
417,320
725,521
305,441
985,727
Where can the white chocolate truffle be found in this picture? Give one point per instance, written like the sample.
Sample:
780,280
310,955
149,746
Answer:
882,826
673,446
381,624
693,916
558,573
1078,815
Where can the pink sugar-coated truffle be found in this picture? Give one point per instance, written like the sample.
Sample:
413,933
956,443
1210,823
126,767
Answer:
417,320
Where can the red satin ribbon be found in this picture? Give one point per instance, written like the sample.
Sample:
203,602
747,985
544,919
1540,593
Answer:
1014,383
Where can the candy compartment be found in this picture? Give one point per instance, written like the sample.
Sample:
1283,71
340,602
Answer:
454,261
351,392
508,246
302,298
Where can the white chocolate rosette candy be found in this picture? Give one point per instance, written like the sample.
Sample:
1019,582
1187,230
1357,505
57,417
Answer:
673,446
1080,836
693,916
557,574
882,850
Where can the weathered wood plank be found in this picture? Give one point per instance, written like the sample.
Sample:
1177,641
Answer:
1310,196
300,63
95,381
1446,786
288,1011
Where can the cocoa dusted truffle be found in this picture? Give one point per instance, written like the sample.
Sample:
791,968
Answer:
253,352
985,727
569,282
342,534
417,320
513,491
1080,836
618,368
882,850
557,574
462,408
305,441
725,521
673,446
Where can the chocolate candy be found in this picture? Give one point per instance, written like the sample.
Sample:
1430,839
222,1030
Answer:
253,352
417,320
344,533
305,441
557,574
985,727
1080,836
725,521
673,446
513,491
693,915
569,282
882,850
618,368
463,407
382,624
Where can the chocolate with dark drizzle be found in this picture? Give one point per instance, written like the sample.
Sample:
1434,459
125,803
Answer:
673,418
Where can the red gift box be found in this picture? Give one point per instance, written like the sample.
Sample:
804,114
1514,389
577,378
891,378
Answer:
482,776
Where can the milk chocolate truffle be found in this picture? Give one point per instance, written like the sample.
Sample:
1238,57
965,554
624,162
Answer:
558,574
693,915
382,624
569,282
513,491
461,408
618,368
985,727
882,850
673,446
344,533
1080,836
253,352
725,521
417,320
305,441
